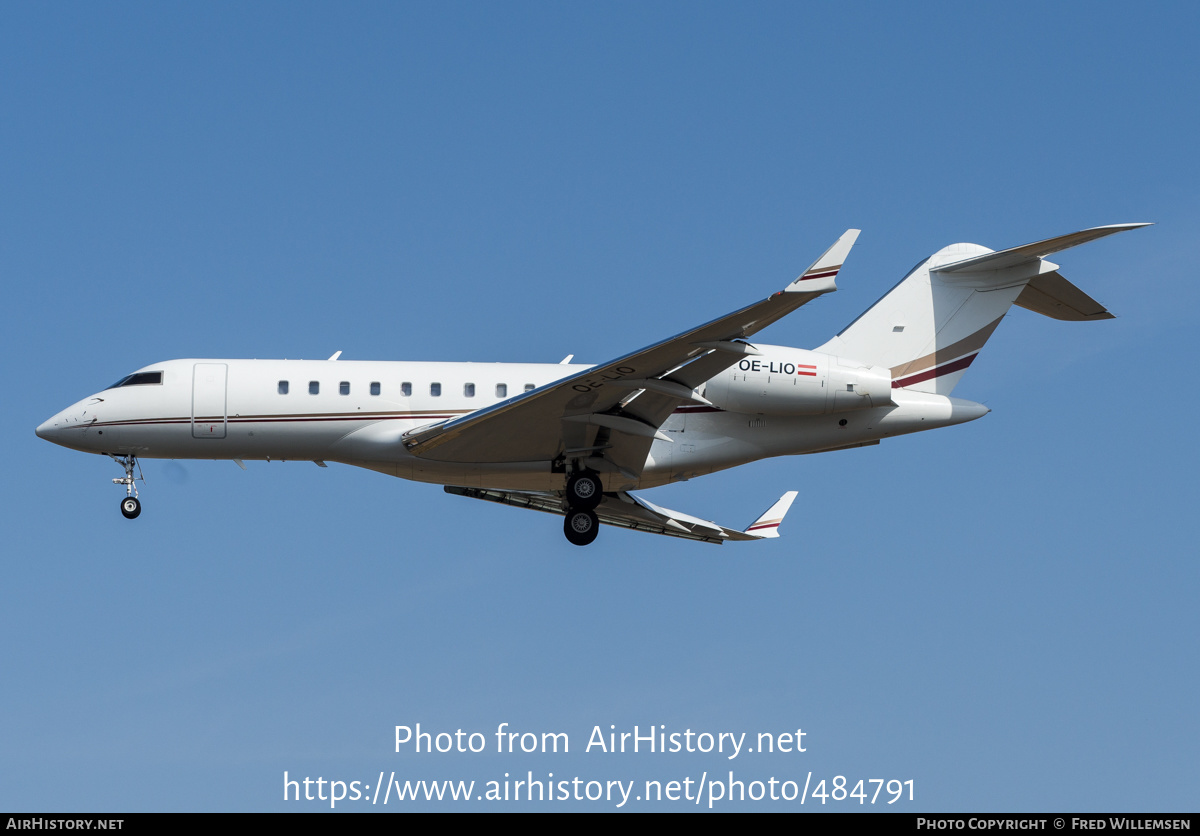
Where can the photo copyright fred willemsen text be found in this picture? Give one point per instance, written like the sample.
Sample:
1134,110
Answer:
655,739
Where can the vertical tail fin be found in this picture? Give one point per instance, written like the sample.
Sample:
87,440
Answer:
930,327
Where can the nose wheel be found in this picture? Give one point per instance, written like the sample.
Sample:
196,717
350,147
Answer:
130,506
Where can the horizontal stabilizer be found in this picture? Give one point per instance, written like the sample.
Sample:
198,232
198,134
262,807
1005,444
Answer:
1051,295
1032,252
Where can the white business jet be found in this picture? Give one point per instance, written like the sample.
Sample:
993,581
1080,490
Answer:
576,440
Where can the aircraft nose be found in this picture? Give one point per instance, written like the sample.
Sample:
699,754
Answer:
47,429
68,429
54,429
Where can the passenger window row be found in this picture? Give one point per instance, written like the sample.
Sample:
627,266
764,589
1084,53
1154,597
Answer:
406,388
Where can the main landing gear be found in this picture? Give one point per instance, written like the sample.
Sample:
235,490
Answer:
130,506
584,494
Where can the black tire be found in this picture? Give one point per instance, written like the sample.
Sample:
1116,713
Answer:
130,507
581,526
584,490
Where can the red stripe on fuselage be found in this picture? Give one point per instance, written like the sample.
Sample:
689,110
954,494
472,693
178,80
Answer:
278,419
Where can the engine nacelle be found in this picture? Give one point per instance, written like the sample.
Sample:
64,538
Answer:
793,381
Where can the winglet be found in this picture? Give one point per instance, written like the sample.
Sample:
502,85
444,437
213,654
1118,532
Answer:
820,276
768,524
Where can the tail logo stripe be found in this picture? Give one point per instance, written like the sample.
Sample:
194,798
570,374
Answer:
957,365
907,373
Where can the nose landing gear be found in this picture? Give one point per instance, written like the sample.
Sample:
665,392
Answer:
130,506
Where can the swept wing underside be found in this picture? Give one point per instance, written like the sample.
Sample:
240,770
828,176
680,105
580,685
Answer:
626,510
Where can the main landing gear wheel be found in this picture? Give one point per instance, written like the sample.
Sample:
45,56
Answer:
581,526
130,507
584,490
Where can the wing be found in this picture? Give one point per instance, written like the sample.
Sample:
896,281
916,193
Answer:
609,415
626,510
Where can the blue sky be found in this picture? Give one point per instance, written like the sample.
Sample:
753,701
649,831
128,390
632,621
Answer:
1003,612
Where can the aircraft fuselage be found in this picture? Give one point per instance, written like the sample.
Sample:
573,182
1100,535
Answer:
356,413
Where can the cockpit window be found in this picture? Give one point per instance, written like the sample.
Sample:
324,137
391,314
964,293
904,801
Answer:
138,379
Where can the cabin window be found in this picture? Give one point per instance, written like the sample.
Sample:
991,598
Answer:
406,389
435,389
314,387
529,387
375,387
283,387
469,390
344,387
501,390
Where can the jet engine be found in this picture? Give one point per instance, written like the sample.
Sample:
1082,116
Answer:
792,381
